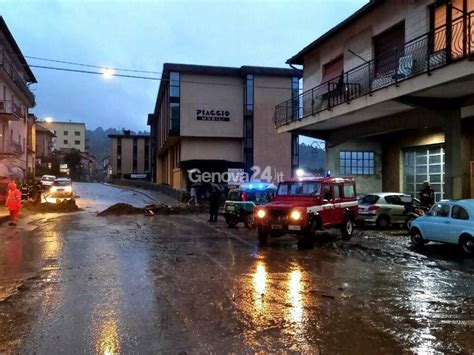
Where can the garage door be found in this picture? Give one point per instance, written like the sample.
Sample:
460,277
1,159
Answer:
424,164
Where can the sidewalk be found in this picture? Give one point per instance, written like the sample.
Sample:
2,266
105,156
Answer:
158,197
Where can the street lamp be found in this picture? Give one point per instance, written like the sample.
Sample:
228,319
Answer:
108,73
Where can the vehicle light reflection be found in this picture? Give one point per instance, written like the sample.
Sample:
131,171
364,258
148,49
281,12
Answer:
260,284
295,288
109,340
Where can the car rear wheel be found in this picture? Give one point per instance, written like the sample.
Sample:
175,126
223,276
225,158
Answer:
347,228
416,238
231,222
467,244
383,222
262,237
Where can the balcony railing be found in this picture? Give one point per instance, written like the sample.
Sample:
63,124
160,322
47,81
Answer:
11,108
7,64
430,51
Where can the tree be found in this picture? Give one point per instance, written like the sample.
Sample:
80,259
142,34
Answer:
73,161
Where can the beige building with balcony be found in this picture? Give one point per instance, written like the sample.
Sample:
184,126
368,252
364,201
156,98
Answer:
130,156
15,101
391,90
217,119
68,135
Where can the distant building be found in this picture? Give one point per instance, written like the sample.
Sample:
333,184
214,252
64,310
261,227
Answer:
219,120
31,145
69,135
15,101
44,141
130,156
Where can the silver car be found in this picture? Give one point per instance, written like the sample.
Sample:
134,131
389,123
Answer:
387,208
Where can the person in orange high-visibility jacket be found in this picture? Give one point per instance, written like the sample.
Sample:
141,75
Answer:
13,203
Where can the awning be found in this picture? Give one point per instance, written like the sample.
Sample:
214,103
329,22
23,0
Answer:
17,173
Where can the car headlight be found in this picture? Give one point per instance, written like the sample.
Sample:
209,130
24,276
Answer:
295,215
261,213
53,189
68,189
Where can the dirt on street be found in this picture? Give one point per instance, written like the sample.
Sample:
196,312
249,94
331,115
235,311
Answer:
175,283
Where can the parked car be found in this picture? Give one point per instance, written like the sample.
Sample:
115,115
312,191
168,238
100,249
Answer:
240,203
60,190
388,208
302,207
47,181
449,222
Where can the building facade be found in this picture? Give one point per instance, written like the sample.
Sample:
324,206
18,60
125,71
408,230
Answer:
391,91
130,156
68,135
217,119
15,101
44,141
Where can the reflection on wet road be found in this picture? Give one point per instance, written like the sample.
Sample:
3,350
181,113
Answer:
175,283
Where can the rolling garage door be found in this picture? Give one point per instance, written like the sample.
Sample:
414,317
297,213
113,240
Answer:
424,164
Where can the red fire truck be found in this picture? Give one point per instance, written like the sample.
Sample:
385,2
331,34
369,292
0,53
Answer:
303,206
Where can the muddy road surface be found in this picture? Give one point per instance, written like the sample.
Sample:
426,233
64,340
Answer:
79,283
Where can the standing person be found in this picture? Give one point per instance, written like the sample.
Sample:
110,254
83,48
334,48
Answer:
13,203
214,200
427,195
193,196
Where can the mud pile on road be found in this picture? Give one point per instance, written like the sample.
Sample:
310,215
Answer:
120,209
66,206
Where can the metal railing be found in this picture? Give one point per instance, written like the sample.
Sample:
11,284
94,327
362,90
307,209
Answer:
12,71
11,108
423,54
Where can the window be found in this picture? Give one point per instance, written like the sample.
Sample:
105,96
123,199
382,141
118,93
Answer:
248,122
349,190
327,193
368,200
299,188
174,104
337,191
388,48
65,141
295,152
459,213
66,133
174,84
357,163
439,210
77,133
295,90
77,142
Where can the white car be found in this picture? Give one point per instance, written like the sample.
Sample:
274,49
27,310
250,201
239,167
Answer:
47,180
61,190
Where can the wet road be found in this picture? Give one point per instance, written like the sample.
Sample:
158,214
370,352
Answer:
175,283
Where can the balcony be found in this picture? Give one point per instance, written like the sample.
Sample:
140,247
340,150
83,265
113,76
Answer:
11,111
435,49
12,72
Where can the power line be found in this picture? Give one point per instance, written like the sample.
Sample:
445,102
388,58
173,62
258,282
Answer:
93,72
91,66
152,78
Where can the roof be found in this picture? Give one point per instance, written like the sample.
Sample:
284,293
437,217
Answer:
230,71
298,58
129,135
59,122
16,49
40,128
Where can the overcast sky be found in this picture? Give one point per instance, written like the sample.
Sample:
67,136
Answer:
144,35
